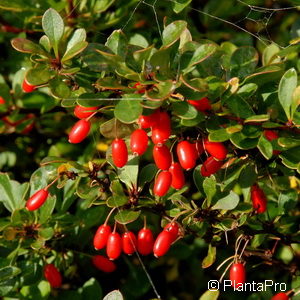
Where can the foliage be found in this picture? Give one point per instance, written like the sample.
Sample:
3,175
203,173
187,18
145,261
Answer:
252,88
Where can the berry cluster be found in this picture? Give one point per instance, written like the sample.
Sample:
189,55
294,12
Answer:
129,243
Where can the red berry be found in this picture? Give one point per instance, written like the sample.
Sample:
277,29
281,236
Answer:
187,154
271,135
161,130
37,199
101,236
82,112
201,105
139,142
27,88
150,120
162,243
52,275
259,199
129,242
2,101
215,149
237,275
103,263
280,296
178,179
162,183
119,152
79,131
210,166
145,241
114,246
162,157
173,229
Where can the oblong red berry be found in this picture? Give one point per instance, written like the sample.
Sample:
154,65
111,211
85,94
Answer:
178,180
129,242
210,166
79,131
26,87
101,236
119,152
162,157
259,199
280,296
161,130
82,112
162,243
37,199
173,229
139,142
114,245
201,105
215,149
103,264
2,100
162,183
271,135
237,275
145,241
150,120
52,275
187,155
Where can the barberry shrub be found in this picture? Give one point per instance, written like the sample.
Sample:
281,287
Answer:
186,155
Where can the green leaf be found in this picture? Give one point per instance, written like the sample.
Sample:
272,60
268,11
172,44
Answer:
265,147
78,36
173,32
9,272
116,201
53,26
147,174
12,193
73,51
139,40
59,88
198,179
127,216
295,101
269,55
179,5
210,295
101,6
220,135
193,57
229,202
128,109
129,173
287,142
47,209
26,46
209,187
117,42
243,142
243,62
257,118
91,290
45,42
39,75
210,258
160,91
143,55
239,106
113,126
287,85
184,110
